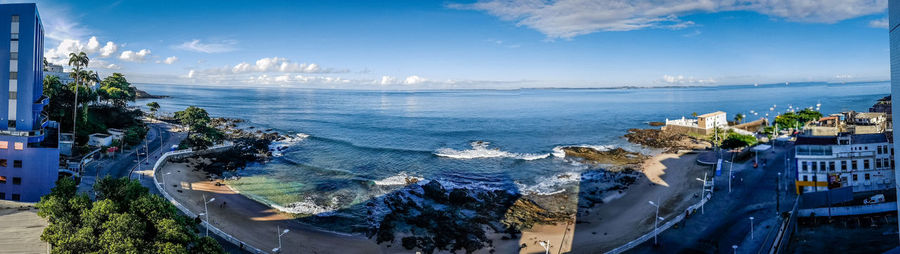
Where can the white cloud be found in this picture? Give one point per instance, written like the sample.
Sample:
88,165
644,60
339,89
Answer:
879,23
191,74
682,80
102,64
109,50
60,54
271,65
131,56
387,80
414,80
570,18
171,60
199,46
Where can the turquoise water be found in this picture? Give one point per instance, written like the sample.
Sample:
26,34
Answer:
361,144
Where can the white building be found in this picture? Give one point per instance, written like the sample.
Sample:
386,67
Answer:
100,139
862,161
704,124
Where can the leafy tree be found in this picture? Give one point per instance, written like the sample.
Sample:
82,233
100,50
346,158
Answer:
126,218
117,90
739,117
134,135
154,106
200,135
736,140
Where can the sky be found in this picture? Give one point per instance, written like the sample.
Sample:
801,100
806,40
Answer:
494,44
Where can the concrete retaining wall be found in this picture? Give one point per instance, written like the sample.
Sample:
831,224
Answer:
662,228
163,160
850,210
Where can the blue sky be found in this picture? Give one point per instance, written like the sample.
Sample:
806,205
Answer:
474,44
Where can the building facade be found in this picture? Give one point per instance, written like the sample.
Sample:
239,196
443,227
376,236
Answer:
894,37
862,161
29,154
704,124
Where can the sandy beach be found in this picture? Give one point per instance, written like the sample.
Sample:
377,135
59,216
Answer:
668,177
253,222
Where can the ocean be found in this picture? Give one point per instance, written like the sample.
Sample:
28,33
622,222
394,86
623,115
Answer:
352,146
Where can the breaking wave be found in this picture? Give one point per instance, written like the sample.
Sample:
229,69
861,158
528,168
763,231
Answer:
277,147
400,179
559,153
480,150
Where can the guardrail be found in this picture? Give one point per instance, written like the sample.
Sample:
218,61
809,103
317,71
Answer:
187,152
663,228
783,237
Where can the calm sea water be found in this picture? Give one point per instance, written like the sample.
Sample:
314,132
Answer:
362,144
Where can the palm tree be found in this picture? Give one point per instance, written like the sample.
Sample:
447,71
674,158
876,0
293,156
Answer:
78,62
739,117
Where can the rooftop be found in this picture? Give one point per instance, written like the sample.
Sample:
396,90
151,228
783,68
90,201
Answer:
711,114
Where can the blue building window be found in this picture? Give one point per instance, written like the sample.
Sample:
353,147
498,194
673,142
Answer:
3,163
2,195
17,181
17,164
2,180
16,197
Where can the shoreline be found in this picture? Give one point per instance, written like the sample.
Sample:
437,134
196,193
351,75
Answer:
562,233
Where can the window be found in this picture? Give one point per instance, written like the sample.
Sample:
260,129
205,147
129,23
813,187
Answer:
815,166
12,95
843,165
13,55
14,36
2,180
20,146
866,164
3,163
2,195
879,150
805,166
15,18
877,163
855,177
805,178
16,197
831,166
822,165
17,163
17,181
13,75
867,177
853,165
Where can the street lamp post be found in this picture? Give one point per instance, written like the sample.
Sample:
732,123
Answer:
656,223
730,174
778,194
206,212
280,233
546,245
163,182
702,192
751,227
734,247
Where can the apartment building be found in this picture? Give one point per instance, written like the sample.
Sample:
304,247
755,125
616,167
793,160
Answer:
862,161
29,154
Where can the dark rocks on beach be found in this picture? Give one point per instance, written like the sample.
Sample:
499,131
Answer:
437,219
656,124
618,158
655,138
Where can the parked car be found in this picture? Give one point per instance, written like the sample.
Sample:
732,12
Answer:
874,199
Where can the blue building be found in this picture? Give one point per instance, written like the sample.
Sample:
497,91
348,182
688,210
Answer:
29,153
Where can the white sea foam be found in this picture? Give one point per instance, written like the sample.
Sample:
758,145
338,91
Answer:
400,179
307,206
551,185
480,150
277,147
560,153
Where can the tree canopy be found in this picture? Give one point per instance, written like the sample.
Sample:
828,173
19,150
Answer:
201,135
117,90
798,119
736,140
126,218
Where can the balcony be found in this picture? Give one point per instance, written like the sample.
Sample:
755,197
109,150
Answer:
855,154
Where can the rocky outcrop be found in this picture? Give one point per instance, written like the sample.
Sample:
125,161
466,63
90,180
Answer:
669,141
614,159
141,94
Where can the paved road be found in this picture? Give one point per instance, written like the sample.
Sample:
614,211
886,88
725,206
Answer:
725,221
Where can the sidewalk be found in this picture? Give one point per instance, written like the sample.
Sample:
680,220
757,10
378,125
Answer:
726,220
